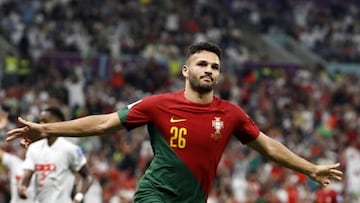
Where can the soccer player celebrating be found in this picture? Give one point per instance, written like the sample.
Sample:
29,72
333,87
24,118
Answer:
189,130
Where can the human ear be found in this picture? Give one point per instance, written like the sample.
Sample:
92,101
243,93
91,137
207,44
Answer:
185,70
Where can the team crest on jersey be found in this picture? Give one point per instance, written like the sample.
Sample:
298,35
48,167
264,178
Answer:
218,124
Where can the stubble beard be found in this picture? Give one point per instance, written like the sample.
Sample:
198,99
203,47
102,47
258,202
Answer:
196,85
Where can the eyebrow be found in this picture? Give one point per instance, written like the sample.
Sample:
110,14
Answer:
212,64
205,61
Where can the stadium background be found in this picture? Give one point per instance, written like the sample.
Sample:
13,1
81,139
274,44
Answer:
292,65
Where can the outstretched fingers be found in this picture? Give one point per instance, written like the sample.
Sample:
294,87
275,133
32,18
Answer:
24,122
18,132
327,173
15,134
336,174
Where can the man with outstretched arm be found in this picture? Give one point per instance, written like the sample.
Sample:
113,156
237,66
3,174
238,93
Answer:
189,130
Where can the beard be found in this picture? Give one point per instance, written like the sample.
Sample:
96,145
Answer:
196,85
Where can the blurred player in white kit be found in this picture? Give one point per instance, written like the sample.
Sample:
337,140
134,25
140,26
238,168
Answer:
55,162
16,172
14,164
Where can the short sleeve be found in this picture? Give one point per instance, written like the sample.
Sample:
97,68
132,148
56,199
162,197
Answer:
78,159
7,159
246,130
138,113
29,163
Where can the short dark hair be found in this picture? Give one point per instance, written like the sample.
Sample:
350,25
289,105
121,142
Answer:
203,46
55,112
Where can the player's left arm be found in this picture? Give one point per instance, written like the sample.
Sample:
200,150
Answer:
280,154
22,189
82,184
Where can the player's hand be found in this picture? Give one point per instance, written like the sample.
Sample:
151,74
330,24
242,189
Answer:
30,133
22,192
325,173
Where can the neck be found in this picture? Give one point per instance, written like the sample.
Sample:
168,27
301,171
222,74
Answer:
51,140
196,97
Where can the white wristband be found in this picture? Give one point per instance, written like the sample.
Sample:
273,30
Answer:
79,197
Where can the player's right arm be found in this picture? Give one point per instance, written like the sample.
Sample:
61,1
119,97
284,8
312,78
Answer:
279,153
25,183
85,126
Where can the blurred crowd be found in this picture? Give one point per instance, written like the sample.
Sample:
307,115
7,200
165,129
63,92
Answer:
328,28
98,56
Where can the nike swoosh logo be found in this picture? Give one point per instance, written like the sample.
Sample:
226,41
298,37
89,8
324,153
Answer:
174,120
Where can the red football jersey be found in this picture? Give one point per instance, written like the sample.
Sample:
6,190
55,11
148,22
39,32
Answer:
196,133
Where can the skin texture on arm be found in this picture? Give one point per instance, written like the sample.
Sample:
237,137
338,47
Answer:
280,154
85,126
25,183
83,181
